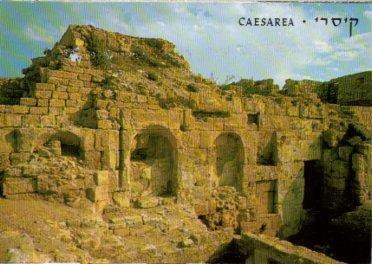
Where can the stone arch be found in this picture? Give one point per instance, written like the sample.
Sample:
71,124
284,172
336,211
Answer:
66,143
229,160
154,162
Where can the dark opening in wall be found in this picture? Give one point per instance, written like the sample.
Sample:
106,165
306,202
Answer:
313,184
139,154
70,150
229,253
272,261
253,118
65,143
266,149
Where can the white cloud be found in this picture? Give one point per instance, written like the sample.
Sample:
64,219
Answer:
368,13
322,46
37,34
347,55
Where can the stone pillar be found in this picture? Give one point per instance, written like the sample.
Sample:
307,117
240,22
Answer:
124,154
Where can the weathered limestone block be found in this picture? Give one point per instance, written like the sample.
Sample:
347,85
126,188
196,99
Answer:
344,152
44,87
8,141
331,138
48,120
20,109
286,147
42,102
92,159
18,158
97,194
101,178
60,95
104,124
121,199
355,140
147,202
4,161
31,121
340,169
28,101
57,103
43,94
10,120
18,186
38,110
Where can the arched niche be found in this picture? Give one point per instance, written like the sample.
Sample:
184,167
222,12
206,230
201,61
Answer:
154,163
229,160
65,143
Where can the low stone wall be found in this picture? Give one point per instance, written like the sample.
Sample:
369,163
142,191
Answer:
262,249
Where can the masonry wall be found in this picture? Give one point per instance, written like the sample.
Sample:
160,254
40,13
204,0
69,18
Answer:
275,136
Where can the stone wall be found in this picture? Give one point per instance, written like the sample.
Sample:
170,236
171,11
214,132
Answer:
263,249
238,159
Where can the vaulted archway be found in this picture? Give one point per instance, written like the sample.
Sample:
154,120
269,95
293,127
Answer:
154,163
229,160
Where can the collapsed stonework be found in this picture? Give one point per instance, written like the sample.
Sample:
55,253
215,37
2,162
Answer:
108,120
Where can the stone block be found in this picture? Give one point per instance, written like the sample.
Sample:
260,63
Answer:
205,140
101,104
43,94
72,103
45,87
74,96
20,109
31,120
10,120
355,141
38,110
4,161
96,194
56,110
344,152
359,162
147,202
121,199
329,155
56,103
18,186
340,169
85,77
47,120
77,83
42,102
28,101
92,159
331,138
60,95
101,178
18,158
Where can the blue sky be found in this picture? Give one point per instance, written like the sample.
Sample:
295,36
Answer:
208,35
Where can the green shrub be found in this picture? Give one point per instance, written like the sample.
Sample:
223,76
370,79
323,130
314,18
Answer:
192,88
152,76
99,53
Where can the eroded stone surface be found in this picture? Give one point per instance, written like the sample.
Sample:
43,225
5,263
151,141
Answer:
128,129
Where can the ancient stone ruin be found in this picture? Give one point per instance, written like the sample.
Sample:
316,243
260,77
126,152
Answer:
114,151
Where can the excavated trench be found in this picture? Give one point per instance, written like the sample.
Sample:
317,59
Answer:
329,234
